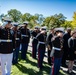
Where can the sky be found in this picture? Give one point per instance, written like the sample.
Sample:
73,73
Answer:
44,7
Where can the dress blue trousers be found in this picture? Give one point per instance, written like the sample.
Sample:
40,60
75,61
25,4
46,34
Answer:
24,51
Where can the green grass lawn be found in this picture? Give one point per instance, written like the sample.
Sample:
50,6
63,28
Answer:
29,67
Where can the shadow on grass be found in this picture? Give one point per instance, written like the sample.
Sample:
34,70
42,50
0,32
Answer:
26,55
23,69
46,68
33,62
31,71
30,54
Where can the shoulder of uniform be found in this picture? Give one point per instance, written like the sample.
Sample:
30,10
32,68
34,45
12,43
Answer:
70,38
18,29
2,29
39,34
65,34
28,29
50,34
21,28
12,31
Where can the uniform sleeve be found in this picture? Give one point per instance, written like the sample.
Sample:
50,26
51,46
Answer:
32,33
29,35
70,43
38,36
55,40
20,35
47,39
13,39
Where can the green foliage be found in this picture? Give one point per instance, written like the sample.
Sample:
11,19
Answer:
74,20
39,18
57,20
29,67
67,24
15,14
26,17
33,20
54,21
36,19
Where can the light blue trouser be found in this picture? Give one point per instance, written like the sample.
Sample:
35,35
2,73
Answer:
6,63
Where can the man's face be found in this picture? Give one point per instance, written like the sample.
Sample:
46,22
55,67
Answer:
60,34
15,27
8,25
74,35
25,25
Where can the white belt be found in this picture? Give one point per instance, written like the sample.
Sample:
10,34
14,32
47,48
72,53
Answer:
16,38
55,48
41,42
24,35
5,40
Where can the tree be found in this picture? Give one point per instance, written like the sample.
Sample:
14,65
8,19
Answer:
39,18
15,14
26,17
54,20
67,24
74,20
33,20
60,19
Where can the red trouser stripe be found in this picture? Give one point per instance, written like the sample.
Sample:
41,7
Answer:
52,66
38,57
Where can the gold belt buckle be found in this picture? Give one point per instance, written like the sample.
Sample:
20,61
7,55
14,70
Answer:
8,40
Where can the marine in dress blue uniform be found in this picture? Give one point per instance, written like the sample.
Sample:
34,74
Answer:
49,44
34,41
6,47
17,35
41,47
25,39
57,46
